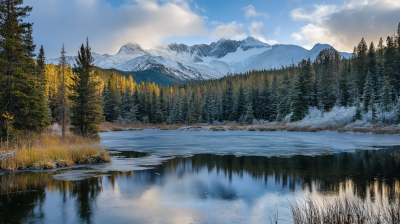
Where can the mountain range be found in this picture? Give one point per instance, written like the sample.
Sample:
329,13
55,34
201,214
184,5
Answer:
204,61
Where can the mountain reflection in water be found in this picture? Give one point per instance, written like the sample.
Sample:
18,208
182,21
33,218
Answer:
203,188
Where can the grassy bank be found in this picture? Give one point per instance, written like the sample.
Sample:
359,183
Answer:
49,150
355,127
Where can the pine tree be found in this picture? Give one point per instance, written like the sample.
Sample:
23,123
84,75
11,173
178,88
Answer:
112,101
136,102
373,69
273,99
20,94
398,111
390,64
191,116
361,61
86,110
358,115
368,92
249,115
41,67
62,95
163,111
239,107
154,118
386,96
325,75
373,108
300,100
283,101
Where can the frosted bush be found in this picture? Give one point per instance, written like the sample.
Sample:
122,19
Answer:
337,116
385,117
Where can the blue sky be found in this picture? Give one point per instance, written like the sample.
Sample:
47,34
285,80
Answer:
112,23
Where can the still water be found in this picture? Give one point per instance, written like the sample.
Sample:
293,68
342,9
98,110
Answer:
204,177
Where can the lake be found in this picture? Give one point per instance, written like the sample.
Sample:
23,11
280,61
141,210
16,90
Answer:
204,177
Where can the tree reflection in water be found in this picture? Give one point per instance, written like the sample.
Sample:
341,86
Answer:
369,175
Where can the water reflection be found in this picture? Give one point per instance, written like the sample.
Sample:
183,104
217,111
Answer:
199,189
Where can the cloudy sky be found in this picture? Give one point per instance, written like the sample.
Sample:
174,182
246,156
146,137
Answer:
111,23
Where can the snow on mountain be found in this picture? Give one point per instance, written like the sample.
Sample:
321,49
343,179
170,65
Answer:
204,61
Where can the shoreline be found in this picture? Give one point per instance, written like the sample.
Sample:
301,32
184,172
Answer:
352,128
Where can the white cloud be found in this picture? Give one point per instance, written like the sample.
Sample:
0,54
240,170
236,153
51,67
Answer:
297,36
143,21
313,13
251,12
270,42
239,31
257,29
231,30
343,26
277,30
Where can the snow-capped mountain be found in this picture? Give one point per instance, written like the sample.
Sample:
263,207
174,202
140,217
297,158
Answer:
204,61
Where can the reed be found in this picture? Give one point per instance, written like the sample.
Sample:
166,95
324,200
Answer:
50,150
343,210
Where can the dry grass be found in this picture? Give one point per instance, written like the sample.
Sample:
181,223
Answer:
49,150
343,211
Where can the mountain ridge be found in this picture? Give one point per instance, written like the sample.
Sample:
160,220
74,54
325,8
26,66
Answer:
203,61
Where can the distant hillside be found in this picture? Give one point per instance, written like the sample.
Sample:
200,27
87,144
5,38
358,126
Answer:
155,76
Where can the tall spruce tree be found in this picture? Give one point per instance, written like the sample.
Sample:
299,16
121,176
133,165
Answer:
390,64
86,110
20,94
62,92
386,95
368,92
301,92
41,67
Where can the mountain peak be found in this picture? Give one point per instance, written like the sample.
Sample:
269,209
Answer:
131,48
251,42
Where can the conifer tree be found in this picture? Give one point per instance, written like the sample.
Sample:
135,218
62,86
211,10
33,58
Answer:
239,107
368,92
398,110
283,107
390,63
373,108
136,102
249,115
86,110
358,114
20,94
273,99
191,116
41,66
62,95
154,108
325,75
301,92
361,61
386,96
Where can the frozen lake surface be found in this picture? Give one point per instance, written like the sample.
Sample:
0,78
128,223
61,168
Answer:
204,177
171,143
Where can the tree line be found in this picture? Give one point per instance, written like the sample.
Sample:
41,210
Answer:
369,80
